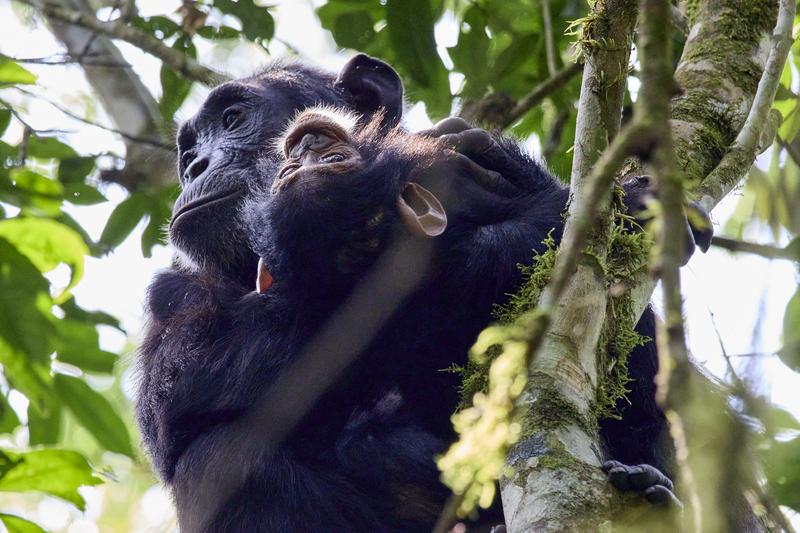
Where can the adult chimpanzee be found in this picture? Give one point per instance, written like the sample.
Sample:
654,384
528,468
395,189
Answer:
219,146
358,261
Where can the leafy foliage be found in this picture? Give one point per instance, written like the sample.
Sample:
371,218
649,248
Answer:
479,57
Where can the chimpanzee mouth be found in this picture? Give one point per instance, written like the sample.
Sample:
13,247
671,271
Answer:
204,201
285,176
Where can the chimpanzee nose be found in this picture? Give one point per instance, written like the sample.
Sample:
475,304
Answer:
313,142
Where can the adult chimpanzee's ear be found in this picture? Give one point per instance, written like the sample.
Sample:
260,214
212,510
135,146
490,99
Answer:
369,84
421,212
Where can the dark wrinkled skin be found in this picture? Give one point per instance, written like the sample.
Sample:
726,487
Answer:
220,149
362,458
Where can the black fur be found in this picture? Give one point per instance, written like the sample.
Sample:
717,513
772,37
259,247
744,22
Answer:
362,458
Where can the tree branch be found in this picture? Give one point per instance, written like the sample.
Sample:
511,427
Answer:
606,43
118,29
740,156
549,43
133,138
495,110
764,250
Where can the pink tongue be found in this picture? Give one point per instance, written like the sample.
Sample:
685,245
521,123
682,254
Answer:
264,279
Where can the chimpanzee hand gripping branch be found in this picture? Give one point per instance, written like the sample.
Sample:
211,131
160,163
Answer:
316,402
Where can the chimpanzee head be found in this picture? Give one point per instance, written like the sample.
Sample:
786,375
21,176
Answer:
343,192
219,147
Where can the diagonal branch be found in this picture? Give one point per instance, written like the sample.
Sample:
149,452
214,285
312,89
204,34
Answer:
494,111
118,29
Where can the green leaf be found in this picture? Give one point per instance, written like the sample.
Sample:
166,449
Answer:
351,22
175,87
95,413
160,213
794,248
35,183
24,305
75,169
55,472
8,418
13,74
159,26
44,427
28,376
47,244
78,344
257,23
470,55
83,194
26,188
220,33
790,353
783,472
73,312
17,524
410,27
49,148
5,119
123,220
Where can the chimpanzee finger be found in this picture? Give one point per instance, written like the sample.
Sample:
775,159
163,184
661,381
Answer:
644,476
490,180
662,496
618,477
700,223
446,126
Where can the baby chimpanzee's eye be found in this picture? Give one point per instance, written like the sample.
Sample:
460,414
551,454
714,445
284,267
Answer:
331,158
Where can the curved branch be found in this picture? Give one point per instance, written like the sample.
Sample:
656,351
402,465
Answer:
117,29
740,156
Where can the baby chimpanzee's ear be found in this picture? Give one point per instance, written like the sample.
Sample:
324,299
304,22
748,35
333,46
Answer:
369,85
421,212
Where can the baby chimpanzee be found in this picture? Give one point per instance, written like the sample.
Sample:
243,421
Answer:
380,264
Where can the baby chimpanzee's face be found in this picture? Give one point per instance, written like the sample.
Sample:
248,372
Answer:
343,189
316,147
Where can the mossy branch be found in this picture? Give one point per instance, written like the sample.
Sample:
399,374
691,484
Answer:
741,154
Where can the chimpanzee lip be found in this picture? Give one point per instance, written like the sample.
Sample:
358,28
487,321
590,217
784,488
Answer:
206,200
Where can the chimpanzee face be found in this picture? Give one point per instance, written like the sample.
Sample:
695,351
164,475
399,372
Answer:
219,149
342,190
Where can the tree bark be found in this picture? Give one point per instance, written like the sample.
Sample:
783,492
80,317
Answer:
557,484
129,104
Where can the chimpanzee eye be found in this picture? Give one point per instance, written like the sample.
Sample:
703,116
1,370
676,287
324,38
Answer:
231,118
331,158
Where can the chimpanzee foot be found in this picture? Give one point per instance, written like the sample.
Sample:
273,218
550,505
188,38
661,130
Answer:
645,479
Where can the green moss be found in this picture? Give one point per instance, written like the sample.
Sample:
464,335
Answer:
691,10
535,278
475,376
628,253
711,138
732,37
734,54
550,410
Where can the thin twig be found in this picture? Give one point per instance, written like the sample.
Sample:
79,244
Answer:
62,59
764,250
134,138
118,29
544,89
549,43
